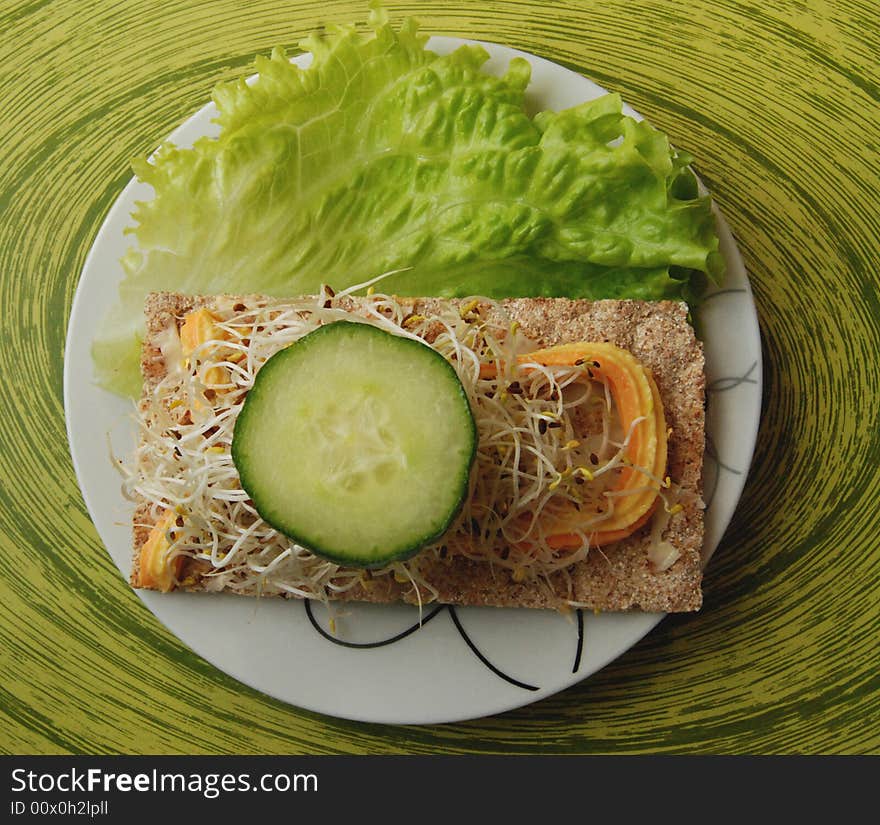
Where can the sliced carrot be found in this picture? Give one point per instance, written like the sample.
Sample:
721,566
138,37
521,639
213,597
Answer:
636,396
200,326
156,570
571,541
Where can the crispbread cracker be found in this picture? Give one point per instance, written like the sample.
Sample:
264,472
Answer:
613,578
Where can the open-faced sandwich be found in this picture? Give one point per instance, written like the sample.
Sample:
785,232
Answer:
533,452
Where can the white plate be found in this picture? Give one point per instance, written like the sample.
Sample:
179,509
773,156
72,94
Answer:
461,663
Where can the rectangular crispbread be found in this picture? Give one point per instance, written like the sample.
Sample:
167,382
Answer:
621,577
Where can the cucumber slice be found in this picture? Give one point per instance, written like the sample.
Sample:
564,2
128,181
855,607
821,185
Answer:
356,443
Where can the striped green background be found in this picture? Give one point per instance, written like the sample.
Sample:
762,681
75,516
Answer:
778,101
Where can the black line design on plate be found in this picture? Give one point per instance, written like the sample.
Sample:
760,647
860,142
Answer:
723,384
712,455
366,645
482,658
580,644
417,626
709,496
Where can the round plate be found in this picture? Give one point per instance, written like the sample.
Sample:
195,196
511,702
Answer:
460,663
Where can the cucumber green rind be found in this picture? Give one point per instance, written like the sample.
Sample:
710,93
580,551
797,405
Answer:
357,444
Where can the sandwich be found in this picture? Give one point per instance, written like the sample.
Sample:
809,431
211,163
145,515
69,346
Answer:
530,452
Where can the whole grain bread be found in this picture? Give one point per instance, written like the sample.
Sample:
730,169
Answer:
621,576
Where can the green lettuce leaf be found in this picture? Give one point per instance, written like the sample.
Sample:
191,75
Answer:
383,156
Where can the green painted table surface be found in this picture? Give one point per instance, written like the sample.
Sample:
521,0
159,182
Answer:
779,102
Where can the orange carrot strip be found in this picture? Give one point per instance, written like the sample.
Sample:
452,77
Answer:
570,541
636,395
200,326
156,570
